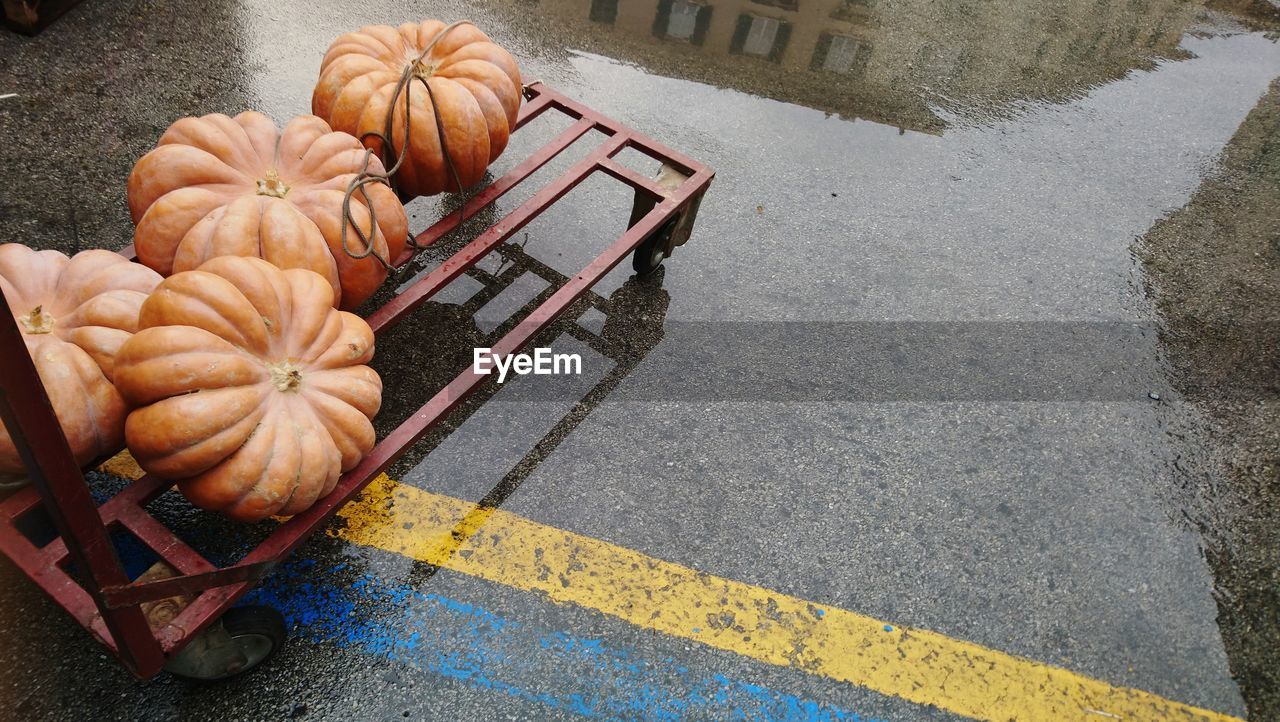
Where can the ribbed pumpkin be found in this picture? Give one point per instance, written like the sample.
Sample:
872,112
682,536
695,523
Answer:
248,387
74,314
217,186
475,82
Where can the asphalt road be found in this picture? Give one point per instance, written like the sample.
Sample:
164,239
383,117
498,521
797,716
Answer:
907,366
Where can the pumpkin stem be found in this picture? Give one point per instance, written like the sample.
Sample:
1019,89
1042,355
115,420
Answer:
38,321
285,376
272,185
424,70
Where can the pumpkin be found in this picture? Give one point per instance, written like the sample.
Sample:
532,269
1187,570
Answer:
475,84
248,387
219,186
74,314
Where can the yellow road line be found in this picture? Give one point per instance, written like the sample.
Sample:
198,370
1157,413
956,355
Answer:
914,664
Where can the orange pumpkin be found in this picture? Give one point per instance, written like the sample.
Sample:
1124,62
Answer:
74,314
248,387
219,186
476,85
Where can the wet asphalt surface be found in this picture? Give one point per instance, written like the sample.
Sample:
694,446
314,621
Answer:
820,394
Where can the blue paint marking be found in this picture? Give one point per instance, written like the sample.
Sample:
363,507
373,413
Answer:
354,610
486,651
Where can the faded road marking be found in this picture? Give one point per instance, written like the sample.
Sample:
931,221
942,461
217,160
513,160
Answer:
523,660
913,664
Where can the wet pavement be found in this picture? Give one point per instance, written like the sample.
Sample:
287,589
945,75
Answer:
908,365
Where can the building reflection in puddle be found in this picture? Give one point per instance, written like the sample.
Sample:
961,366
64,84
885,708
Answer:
886,61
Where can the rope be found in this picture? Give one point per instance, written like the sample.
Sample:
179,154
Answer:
365,176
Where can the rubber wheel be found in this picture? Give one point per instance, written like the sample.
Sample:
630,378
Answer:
650,254
252,635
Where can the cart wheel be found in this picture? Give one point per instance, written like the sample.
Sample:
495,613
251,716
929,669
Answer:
649,255
244,638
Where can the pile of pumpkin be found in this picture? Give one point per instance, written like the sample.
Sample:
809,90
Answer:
227,359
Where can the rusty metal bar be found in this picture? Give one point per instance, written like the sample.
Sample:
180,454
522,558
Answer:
499,188
537,102
53,580
455,265
34,428
21,502
645,185
161,540
126,506
199,615
125,595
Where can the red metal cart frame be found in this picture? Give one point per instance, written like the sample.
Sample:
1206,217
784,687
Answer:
81,570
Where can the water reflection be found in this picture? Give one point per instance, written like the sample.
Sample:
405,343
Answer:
486,448
437,343
880,59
